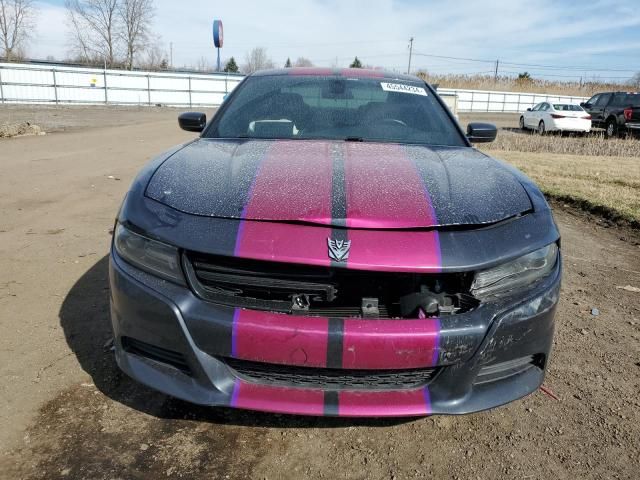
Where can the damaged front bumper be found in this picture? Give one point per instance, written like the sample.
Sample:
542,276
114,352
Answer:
174,342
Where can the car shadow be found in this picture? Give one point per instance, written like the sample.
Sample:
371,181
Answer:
85,320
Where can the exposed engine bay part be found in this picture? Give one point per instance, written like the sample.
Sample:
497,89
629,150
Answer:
370,308
325,291
427,303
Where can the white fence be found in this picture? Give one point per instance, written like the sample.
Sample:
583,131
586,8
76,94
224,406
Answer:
489,101
29,83
32,83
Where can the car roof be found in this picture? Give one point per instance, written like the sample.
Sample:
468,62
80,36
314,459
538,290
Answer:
338,72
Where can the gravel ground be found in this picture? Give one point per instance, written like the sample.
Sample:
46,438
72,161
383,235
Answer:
67,412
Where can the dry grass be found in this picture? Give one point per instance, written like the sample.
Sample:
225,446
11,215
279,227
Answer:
510,84
593,144
609,186
17,129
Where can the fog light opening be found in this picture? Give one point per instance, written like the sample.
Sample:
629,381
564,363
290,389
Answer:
502,370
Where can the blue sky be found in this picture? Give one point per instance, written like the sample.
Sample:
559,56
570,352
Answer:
551,39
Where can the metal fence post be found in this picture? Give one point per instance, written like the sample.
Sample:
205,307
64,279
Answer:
518,102
1,90
190,104
55,86
149,89
472,101
226,89
106,92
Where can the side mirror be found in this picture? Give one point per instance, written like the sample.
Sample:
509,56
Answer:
478,132
585,105
529,109
192,121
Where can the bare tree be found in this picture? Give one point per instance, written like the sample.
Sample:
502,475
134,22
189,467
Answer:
635,80
16,22
204,65
136,17
257,59
94,28
156,58
303,62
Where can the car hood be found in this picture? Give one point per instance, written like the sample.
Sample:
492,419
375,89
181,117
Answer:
339,184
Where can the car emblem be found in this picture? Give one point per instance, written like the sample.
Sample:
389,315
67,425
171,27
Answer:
338,249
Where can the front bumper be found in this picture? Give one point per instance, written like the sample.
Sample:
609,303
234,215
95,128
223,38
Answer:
171,317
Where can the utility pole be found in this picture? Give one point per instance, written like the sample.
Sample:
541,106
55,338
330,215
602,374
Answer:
410,52
495,74
171,55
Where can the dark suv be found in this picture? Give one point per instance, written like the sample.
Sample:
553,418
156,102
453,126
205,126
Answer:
616,112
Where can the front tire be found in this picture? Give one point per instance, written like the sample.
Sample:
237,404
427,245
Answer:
542,129
522,127
612,128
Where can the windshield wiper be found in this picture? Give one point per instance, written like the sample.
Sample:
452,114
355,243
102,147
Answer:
354,139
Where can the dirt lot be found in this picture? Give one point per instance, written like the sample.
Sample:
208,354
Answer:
67,412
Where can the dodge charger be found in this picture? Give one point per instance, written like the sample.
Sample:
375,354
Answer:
332,244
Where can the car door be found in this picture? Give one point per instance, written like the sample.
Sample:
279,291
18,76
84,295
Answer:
597,113
588,105
530,116
543,114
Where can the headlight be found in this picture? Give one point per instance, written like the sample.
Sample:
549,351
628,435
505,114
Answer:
517,273
150,255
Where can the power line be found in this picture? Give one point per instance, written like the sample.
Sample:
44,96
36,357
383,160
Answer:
568,67
535,65
544,74
453,58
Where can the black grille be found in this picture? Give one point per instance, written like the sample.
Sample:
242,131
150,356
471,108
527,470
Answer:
321,291
159,354
330,378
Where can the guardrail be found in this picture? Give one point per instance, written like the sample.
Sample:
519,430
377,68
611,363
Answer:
33,83
24,83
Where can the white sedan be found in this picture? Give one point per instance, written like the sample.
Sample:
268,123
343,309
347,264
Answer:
556,117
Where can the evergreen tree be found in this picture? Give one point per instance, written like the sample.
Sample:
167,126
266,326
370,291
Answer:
231,66
288,64
356,63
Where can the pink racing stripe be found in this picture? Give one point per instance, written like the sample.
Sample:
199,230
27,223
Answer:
385,190
300,401
395,251
283,242
279,338
293,183
380,404
389,344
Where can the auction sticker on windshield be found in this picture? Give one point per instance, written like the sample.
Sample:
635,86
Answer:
402,88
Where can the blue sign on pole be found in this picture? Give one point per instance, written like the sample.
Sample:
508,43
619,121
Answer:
218,37
217,33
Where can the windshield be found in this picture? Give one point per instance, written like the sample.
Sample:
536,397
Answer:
567,108
335,108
